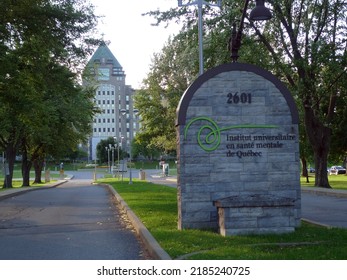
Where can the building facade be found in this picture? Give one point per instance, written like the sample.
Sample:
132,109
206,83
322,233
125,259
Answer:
113,98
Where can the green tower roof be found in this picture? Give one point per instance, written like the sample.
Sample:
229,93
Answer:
103,54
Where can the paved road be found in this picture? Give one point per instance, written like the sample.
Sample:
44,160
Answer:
324,209
76,220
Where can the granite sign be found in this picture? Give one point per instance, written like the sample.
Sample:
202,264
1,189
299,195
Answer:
238,153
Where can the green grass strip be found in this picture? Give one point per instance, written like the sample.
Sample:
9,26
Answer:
156,207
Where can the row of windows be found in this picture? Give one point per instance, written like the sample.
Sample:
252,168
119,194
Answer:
108,111
104,92
104,120
112,121
112,111
108,102
108,92
104,129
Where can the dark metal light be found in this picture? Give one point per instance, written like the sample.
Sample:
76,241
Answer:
260,12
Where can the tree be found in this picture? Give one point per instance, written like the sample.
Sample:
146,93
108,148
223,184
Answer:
171,72
140,148
106,147
305,46
67,122
42,43
177,66
309,37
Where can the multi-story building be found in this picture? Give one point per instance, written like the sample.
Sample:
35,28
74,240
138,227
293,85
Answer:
114,98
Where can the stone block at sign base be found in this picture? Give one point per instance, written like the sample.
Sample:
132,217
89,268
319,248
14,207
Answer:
261,213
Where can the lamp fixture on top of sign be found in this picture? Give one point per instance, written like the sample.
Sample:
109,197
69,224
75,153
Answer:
259,13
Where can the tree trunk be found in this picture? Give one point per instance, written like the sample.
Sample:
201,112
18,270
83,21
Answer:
10,159
304,169
38,167
321,159
319,137
26,166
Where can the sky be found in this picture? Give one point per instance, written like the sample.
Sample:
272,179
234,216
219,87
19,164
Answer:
133,40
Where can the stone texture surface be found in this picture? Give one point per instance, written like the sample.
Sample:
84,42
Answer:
256,154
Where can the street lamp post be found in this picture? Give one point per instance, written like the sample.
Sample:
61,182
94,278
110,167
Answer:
135,112
200,3
112,164
118,146
108,159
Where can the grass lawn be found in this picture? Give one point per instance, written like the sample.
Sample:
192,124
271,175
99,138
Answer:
336,181
17,182
156,206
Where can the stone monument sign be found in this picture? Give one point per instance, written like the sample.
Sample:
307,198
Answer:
238,153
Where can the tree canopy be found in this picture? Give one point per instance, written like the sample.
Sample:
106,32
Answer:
43,108
304,45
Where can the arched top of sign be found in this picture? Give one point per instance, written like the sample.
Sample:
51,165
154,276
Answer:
189,93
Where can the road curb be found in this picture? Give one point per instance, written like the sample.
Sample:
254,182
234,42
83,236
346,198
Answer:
151,244
324,191
316,223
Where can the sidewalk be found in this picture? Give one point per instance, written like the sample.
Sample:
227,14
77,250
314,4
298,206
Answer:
156,177
153,176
